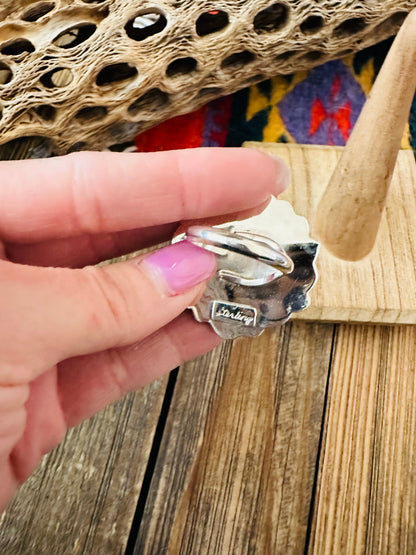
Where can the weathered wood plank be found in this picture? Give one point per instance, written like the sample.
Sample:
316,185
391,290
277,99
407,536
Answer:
367,488
236,468
83,497
382,287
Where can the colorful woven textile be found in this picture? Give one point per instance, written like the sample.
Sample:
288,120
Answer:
316,107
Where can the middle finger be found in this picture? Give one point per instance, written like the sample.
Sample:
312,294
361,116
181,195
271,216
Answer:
86,250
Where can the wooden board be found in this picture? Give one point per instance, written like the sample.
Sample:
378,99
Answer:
237,464
366,488
83,497
248,465
380,288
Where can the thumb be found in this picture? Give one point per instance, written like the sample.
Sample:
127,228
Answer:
55,314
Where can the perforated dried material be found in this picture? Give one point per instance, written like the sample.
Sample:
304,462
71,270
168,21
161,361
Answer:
89,74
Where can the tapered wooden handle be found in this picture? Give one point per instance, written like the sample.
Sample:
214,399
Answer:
349,213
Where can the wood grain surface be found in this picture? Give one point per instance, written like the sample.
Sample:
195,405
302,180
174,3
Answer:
236,468
382,287
83,497
367,482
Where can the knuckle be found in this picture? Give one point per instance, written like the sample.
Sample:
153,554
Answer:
110,295
187,196
87,209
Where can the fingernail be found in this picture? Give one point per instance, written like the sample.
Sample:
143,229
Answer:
179,267
283,174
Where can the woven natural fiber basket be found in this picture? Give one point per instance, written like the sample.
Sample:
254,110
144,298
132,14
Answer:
89,74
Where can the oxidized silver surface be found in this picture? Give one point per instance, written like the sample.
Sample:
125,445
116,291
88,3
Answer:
265,270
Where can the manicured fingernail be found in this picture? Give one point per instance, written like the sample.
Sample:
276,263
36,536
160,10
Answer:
283,174
179,267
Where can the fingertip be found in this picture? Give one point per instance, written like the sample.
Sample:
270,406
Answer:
284,174
274,169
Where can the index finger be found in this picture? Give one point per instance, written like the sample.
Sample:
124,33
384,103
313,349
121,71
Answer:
92,192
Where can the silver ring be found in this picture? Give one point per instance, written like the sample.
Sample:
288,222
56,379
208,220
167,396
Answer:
246,243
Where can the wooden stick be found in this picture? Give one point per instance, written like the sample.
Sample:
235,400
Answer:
349,213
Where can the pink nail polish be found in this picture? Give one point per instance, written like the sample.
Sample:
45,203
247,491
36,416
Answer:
180,266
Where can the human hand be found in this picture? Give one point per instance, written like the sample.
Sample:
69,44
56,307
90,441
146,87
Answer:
74,338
